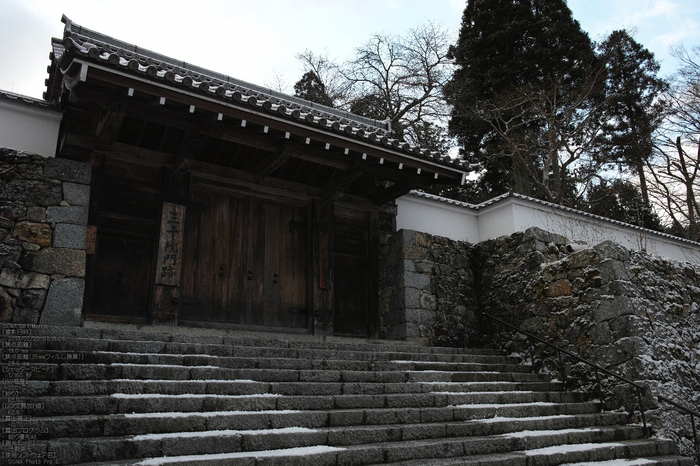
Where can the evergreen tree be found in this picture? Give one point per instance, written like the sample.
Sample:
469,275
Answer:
519,61
310,87
634,110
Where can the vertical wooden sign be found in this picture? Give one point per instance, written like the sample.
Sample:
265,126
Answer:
172,226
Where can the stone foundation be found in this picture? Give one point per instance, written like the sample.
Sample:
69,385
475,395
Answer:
43,225
632,313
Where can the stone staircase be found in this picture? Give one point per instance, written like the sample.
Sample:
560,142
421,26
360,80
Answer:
118,396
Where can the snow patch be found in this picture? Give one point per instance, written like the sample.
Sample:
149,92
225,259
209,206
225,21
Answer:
206,414
191,459
636,462
504,405
571,448
540,433
222,433
189,395
532,418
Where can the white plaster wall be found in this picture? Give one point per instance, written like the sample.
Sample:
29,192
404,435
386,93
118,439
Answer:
496,220
584,229
436,218
27,128
512,214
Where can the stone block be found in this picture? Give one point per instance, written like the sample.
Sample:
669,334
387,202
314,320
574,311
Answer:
70,236
29,193
76,215
417,280
32,299
76,194
37,233
404,298
612,250
559,288
64,303
36,214
6,223
428,301
611,308
68,170
22,315
52,261
9,252
24,280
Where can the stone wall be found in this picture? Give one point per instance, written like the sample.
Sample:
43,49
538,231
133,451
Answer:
632,313
43,224
426,290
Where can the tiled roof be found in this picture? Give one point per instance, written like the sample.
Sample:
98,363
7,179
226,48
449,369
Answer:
25,100
497,199
98,48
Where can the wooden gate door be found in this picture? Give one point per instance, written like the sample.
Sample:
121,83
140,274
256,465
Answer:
245,262
351,272
121,276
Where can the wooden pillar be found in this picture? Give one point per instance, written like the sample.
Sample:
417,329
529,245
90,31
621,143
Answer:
323,269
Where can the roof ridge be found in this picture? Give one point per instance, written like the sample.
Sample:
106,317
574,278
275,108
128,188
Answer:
79,35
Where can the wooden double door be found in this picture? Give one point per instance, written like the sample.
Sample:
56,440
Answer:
245,261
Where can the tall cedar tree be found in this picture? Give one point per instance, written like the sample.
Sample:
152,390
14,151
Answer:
505,47
635,110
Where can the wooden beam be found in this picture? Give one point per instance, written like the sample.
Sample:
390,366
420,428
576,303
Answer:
259,116
110,124
344,179
272,162
330,196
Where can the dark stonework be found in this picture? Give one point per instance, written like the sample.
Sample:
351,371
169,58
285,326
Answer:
43,213
53,261
633,313
68,170
64,303
76,194
69,236
75,215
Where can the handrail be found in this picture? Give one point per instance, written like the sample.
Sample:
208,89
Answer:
693,414
640,388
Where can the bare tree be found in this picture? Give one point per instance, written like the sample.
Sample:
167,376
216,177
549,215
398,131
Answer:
549,132
675,170
399,79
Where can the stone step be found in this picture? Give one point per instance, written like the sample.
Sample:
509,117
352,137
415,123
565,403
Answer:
41,333
302,362
119,403
364,440
172,421
145,347
80,371
248,387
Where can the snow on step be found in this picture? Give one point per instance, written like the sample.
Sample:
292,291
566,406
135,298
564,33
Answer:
191,459
540,433
190,395
504,405
571,448
531,418
222,433
207,414
635,462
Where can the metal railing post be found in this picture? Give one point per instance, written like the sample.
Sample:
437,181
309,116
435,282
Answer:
641,411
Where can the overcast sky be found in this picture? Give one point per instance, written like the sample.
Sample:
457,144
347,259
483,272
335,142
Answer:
255,40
